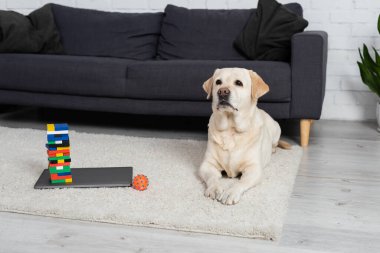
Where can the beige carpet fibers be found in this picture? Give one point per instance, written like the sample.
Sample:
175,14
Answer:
174,199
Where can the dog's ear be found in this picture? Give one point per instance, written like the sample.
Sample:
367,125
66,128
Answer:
207,87
259,87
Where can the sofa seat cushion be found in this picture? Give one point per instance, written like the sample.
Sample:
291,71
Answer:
73,75
183,79
100,33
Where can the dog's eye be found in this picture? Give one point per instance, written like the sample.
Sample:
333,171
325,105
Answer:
218,82
238,83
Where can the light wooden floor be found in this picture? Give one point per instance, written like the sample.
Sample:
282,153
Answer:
335,206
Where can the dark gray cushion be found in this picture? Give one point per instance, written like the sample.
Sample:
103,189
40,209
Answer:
201,34
267,34
35,33
204,34
99,33
183,79
74,75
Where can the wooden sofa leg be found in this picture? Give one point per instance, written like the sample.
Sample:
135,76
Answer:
305,126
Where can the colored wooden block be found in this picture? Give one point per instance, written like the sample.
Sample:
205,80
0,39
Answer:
61,126
52,170
58,132
58,158
63,144
60,167
59,164
63,148
55,171
53,152
54,142
50,127
59,154
61,161
57,127
63,181
57,137
51,165
56,177
64,174
69,180
56,148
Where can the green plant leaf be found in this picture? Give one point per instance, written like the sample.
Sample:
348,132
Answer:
370,67
377,56
360,53
368,61
365,74
362,74
369,79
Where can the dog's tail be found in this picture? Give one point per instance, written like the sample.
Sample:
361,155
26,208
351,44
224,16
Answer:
284,145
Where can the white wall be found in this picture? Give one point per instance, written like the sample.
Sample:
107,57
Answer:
348,22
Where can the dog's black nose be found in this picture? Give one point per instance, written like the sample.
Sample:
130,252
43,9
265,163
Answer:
223,92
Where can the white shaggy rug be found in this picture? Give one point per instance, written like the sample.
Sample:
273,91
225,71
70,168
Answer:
174,199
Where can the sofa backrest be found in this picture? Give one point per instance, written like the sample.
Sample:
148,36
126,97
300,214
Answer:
99,33
204,34
179,33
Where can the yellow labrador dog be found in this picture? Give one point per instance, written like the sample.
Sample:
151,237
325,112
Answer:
241,137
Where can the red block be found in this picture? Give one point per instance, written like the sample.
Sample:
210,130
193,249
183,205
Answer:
53,152
56,177
55,155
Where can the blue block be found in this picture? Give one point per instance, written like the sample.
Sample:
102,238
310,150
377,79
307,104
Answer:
64,174
55,137
60,127
50,148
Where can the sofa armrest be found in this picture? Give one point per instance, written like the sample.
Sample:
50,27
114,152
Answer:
308,62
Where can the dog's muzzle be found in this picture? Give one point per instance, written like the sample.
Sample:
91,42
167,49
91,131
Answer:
224,96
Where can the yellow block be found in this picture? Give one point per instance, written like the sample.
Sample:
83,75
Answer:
50,127
61,161
69,180
59,154
62,148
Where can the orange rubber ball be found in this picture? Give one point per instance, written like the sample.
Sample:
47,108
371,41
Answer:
140,182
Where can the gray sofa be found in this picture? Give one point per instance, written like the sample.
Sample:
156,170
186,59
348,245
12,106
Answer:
156,63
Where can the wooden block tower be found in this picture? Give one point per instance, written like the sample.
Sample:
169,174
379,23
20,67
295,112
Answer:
58,150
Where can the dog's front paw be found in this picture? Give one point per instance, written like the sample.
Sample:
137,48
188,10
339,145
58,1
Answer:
214,191
231,196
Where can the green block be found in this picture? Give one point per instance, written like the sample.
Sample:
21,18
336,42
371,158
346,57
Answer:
62,181
54,171
54,167
58,158
52,142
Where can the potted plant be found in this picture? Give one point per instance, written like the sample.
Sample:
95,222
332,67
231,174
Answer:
370,72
